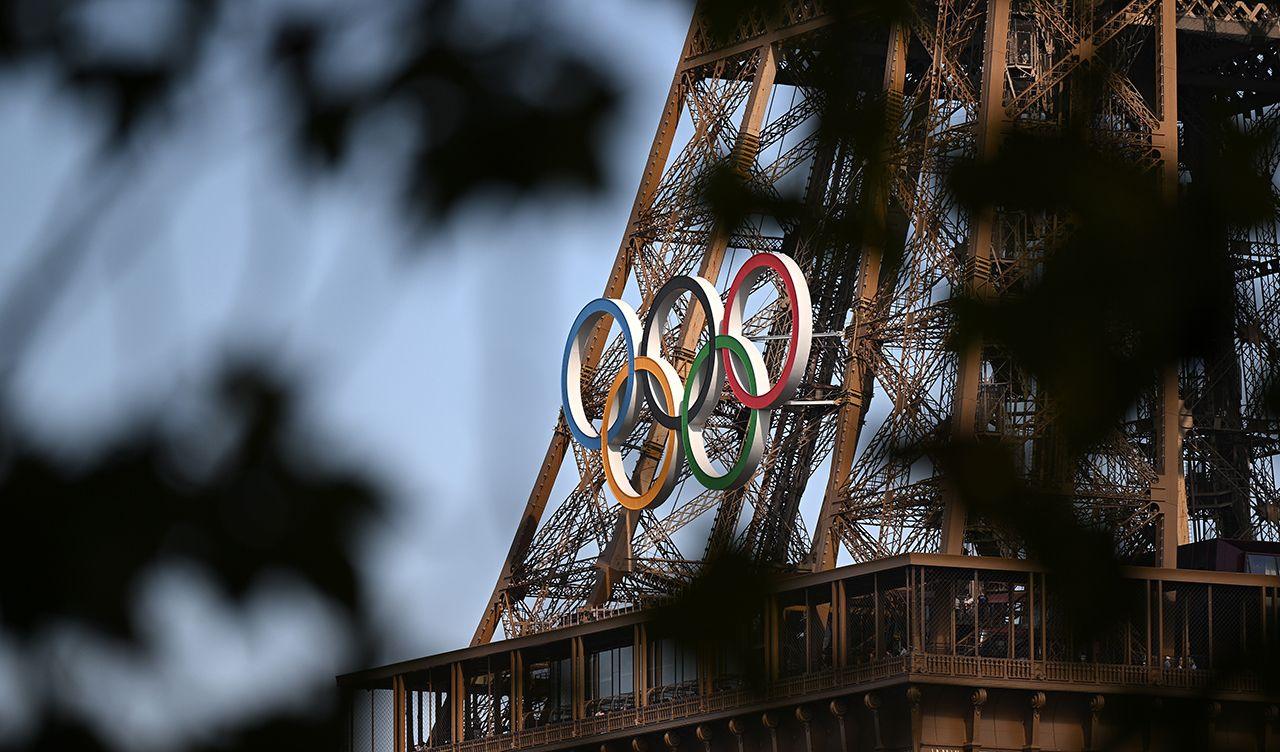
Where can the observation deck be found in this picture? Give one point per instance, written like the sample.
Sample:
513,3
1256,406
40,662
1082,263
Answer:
855,658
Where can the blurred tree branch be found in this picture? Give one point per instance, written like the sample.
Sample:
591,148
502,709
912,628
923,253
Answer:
510,113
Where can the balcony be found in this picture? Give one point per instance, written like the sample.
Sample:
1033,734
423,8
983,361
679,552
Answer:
916,619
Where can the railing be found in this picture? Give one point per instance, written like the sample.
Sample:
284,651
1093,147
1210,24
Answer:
959,666
914,664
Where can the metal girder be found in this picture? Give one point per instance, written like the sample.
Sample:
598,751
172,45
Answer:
955,75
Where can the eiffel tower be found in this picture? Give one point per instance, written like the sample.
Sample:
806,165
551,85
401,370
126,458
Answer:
893,619
1194,461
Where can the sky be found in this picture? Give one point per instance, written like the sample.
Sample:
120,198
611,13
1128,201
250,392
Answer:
431,359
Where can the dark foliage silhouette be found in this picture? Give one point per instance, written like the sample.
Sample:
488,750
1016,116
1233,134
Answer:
477,114
513,114
1140,282
90,532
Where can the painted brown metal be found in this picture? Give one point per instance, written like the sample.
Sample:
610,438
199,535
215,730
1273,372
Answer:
858,372
618,275
1267,586
992,122
963,693
1170,489
958,75
618,551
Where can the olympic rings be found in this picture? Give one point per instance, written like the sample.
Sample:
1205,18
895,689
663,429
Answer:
705,293
615,474
757,423
571,371
801,327
684,408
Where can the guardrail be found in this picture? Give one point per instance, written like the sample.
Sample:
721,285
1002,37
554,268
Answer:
968,667
913,664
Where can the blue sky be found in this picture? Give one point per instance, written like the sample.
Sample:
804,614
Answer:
432,359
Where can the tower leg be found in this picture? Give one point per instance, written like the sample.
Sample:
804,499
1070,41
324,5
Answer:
618,552
857,376
538,497
1170,490
991,123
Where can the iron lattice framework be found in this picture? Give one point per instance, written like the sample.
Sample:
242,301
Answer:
954,77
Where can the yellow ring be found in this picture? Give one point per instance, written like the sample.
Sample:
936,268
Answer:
614,473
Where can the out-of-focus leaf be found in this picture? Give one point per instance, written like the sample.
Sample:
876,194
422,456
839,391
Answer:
77,540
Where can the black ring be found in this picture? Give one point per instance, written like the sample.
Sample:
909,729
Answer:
663,301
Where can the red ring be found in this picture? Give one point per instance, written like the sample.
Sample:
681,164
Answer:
771,398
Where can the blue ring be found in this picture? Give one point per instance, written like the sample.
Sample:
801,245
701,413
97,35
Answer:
591,311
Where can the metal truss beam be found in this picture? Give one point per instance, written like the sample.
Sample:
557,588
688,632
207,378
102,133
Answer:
955,77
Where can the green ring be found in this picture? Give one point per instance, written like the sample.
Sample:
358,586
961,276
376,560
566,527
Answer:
717,482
